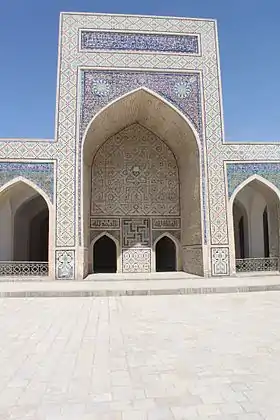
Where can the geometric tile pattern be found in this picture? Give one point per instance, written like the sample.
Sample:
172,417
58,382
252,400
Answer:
136,233
136,260
220,261
26,150
121,41
42,174
65,264
135,173
239,172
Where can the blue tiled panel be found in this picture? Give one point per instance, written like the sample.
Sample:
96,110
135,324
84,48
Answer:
41,174
239,172
99,87
120,41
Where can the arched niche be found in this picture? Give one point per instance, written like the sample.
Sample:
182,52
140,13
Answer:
256,202
109,247
165,121
26,228
166,254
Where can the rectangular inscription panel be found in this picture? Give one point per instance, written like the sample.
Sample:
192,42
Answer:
109,223
123,41
166,223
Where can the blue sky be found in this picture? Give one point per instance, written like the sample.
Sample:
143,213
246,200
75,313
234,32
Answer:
249,34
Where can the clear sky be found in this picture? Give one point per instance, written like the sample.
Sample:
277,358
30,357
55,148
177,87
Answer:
249,34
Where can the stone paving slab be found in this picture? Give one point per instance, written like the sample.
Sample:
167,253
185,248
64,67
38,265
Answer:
138,287
213,357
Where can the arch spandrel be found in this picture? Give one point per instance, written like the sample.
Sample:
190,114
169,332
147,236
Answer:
148,109
183,92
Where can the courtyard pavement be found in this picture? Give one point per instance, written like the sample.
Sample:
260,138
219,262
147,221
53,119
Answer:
104,285
141,358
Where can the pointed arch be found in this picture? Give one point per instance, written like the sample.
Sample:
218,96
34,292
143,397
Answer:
135,96
11,214
251,179
105,233
20,179
177,249
150,92
163,119
117,244
168,235
263,194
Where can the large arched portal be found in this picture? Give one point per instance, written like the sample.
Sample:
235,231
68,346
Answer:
255,210
141,178
24,231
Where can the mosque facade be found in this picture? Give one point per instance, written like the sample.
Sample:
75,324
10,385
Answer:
138,177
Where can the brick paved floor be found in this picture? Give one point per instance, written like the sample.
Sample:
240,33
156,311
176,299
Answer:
141,358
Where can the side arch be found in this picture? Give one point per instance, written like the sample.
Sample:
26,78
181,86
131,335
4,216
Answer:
31,186
250,179
263,193
93,242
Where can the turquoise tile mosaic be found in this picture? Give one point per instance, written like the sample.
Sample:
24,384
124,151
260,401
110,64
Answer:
41,174
239,172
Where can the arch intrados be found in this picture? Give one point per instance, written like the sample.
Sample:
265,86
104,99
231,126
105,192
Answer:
42,214
111,106
29,200
241,205
267,184
16,181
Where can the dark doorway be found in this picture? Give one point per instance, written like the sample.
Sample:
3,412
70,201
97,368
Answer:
241,237
39,237
265,233
104,256
165,255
